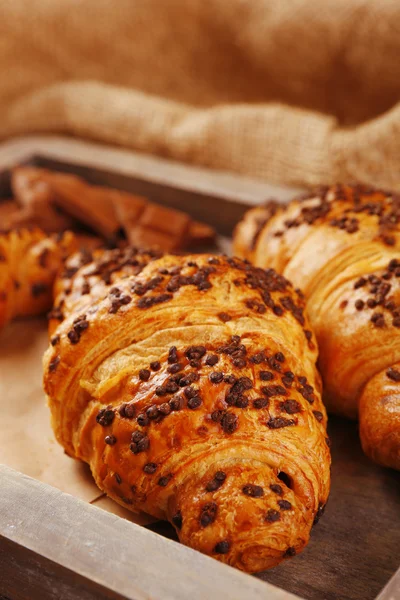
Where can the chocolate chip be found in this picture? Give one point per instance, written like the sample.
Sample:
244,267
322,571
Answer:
254,491
141,445
273,390
176,403
279,357
195,352
118,478
73,336
173,355
261,402
290,406
279,422
239,363
191,392
105,417
211,360
143,420
175,368
164,409
208,514
177,520
171,387
150,468
144,374
189,379
147,302
194,403
276,488
110,440
152,412
217,415
216,377
54,340
54,364
160,390
291,551
222,547
359,304
284,504
155,366
163,481
272,516
229,422
266,375
318,415
127,411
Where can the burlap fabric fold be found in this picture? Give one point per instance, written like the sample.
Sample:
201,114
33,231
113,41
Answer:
292,91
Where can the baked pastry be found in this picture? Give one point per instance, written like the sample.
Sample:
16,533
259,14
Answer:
191,390
29,261
341,245
57,201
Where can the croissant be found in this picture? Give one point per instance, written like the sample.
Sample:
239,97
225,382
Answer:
189,386
29,261
341,246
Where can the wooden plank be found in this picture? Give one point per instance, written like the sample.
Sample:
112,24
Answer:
134,164
392,590
53,546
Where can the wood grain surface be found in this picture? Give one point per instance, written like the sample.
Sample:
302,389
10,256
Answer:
56,547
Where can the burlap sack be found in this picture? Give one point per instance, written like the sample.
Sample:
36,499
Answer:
293,91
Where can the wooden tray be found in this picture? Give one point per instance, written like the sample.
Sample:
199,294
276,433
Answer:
54,546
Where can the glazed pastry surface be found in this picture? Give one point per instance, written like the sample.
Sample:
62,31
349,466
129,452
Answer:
341,246
29,262
189,386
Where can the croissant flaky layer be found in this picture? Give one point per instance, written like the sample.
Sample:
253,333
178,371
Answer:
189,386
29,262
341,245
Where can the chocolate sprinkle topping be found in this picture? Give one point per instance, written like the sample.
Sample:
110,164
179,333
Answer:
163,481
222,547
177,520
284,504
229,422
54,364
291,406
208,514
254,491
272,516
105,417
279,422
216,483
110,440
276,488
144,374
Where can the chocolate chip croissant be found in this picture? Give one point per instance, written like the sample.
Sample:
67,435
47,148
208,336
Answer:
29,261
189,386
341,245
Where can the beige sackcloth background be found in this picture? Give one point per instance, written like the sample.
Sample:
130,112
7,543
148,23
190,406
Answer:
291,91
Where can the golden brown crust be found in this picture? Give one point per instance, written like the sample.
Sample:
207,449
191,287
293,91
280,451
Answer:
341,246
191,390
29,262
